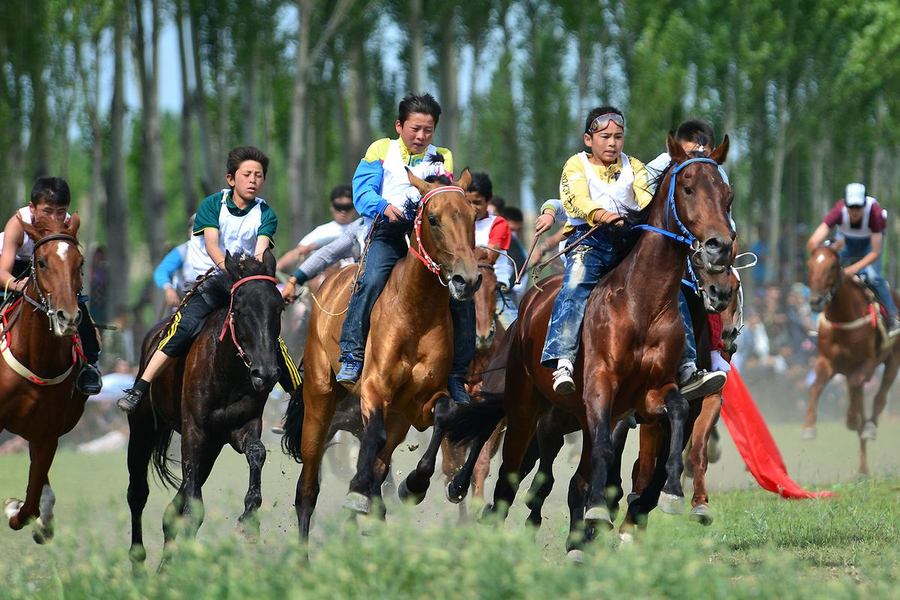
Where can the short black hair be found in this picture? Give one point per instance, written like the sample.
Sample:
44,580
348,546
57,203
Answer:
419,103
52,190
499,203
512,213
341,191
600,110
243,153
697,131
481,183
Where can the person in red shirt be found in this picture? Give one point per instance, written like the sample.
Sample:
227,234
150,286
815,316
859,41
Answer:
862,222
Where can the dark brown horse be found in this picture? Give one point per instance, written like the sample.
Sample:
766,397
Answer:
632,341
37,372
213,396
852,342
404,379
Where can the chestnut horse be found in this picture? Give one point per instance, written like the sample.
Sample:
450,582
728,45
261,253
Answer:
852,342
38,400
408,354
632,340
213,396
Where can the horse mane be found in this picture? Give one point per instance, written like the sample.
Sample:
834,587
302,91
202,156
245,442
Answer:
248,265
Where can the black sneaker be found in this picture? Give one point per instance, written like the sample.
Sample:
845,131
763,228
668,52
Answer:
88,380
702,383
457,387
130,400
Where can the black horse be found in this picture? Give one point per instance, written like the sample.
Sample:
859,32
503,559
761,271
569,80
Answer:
213,396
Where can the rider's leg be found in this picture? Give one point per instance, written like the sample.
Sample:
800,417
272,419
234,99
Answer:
463,315
88,380
694,383
330,254
388,245
508,311
872,274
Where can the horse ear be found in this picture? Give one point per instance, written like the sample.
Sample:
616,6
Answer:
231,265
721,152
676,152
420,184
465,179
269,261
30,229
73,225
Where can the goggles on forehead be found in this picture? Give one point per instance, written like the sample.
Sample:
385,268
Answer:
602,122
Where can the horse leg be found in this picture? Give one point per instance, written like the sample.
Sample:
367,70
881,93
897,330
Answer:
416,484
577,498
521,424
453,457
856,418
614,476
550,439
657,438
703,426
21,513
460,482
140,449
246,441
824,373
483,465
373,440
887,379
600,391
198,455
396,430
319,410
671,501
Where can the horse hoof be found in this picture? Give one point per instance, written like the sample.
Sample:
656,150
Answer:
808,434
702,514
42,533
407,495
869,431
11,507
248,529
671,504
631,498
575,555
456,493
357,503
598,516
626,538
137,554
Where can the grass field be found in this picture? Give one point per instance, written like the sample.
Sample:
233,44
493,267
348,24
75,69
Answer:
759,545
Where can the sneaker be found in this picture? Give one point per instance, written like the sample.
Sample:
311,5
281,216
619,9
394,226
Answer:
88,380
563,383
702,383
350,372
457,387
130,400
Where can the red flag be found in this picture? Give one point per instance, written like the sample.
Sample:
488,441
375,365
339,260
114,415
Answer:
756,445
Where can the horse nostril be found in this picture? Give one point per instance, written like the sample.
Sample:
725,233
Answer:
457,280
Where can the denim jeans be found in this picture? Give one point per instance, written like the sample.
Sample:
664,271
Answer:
387,246
872,276
689,354
586,265
507,310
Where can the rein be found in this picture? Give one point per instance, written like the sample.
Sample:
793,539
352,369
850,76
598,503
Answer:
421,253
228,325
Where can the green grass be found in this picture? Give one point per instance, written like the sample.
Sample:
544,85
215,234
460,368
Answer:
760,546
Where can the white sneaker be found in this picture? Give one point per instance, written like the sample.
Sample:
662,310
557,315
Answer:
702,384
563,383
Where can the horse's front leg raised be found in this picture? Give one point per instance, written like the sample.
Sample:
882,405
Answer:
416,484
246,441
824,373
671,500
699,457
21,513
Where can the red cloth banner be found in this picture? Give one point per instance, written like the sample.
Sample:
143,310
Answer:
755,443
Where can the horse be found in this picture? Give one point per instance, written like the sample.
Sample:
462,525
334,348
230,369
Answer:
852,342
404,378
38,400
632,340
213,396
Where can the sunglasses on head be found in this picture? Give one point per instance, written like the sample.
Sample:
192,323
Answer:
342,207
602,122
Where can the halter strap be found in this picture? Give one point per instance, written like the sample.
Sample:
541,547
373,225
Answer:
63,237
871,317
421,253
228,324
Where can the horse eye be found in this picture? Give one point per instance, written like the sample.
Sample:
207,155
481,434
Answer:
433,221
41,263
688,190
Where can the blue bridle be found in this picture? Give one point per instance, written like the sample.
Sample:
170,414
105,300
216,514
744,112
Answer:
686,237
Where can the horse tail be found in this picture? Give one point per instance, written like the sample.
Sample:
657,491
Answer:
476,420
293,425
164,474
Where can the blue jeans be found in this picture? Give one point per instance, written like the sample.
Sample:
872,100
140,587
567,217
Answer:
872,276
507,310
689,354
586,265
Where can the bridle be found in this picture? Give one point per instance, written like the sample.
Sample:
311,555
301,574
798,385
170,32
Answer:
46,305
422,254
228,325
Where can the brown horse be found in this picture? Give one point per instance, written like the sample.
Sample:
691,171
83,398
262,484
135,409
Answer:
632,340
408,353
213,396
37,373
852,342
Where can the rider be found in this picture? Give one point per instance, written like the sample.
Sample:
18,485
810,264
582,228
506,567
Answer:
50,199
862,222
169,273
598,186
382,192
491,231
233,220
693,135
343,216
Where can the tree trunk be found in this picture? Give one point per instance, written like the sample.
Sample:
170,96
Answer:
773,274
449,79
188,185
117,203
39,142
416,46
211,175
359,130
296,149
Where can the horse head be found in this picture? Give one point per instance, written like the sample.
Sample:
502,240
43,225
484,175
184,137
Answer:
825,276
56,271
254,317
445,234
485,301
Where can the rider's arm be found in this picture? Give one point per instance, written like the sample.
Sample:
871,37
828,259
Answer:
869,258
167,267
13,237
641,186
368,181
576,197
211,241
289,258
818,236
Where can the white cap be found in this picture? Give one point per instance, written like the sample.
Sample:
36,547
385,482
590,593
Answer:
855,194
